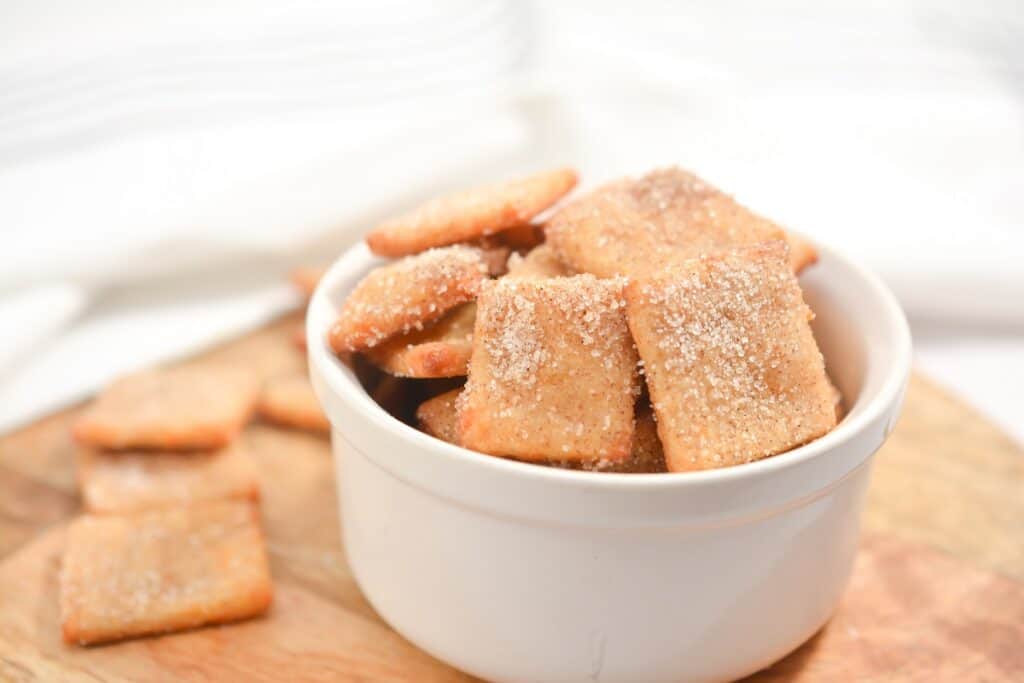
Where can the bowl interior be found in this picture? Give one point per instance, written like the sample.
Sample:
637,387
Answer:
859,326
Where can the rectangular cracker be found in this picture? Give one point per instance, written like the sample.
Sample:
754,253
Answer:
121,482
632,227
440,349
731,364
406,295
438,417
553,372
164,570
186,408
471,214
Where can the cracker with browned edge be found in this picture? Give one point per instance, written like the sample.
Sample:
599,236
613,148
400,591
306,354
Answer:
185,408
632,227
405,295
289,400
731,364
553,371
163,570
437,416
540,262
306,278
471,214
441,349
121,482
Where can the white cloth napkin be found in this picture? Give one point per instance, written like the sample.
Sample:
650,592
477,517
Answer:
162,166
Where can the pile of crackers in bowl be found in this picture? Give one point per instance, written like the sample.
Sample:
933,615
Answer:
172,537
651,325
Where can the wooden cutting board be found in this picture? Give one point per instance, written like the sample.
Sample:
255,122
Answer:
937,594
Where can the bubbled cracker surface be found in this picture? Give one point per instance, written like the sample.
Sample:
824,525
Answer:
405,295
131,481
162,570
176,408
632,226
471,214
440,349
553,371
732,367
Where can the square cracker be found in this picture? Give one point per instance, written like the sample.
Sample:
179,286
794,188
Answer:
119,482
441,349
163,570
289,400
407,294
186,408
553,372
733,370
470,214
631,227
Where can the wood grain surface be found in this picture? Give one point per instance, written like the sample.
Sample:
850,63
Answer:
937,593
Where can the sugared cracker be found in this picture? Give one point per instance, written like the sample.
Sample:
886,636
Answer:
405,295
441,349
540,262
120,482
184,408
553,372
306,278
471,214
289,400
632,227
733,370
437,416
162,570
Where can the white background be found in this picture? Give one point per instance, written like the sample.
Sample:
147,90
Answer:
163,164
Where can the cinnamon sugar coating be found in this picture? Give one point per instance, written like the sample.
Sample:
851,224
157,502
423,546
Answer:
405,295
470,214
553,372
731,364
632,226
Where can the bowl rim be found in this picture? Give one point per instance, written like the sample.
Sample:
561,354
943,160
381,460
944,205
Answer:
343,384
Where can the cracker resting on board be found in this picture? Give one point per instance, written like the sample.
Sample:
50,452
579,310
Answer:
163,570
186,408
289,400
123,482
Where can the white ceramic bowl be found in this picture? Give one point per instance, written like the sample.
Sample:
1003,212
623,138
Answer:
515,572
